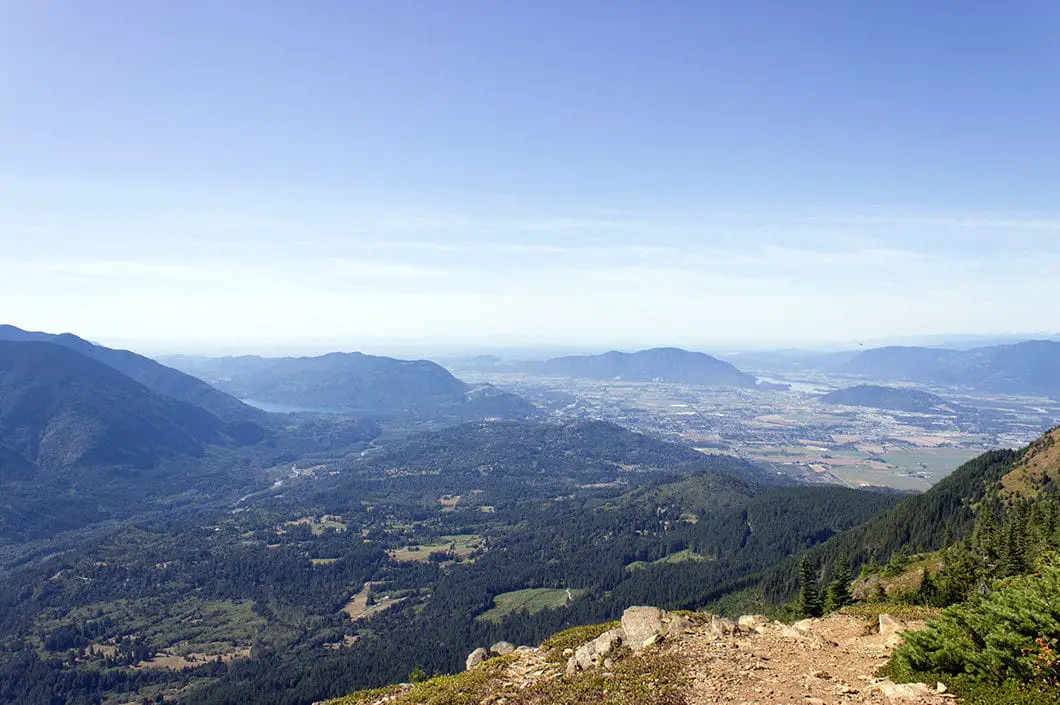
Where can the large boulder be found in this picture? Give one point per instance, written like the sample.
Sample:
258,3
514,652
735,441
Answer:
642,626
892,629
502,647
676,625
476,657
752,622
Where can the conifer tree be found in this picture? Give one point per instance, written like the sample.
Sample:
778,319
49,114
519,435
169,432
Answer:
839,587
1012,634
810,604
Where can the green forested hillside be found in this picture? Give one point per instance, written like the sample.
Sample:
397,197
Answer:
156,377
891,398
919,523
59,409
80,442
276,575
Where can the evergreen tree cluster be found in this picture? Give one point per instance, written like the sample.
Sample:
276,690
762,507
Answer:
1008,539
812,603
1011,634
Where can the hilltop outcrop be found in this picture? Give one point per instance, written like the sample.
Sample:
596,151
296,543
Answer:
666,658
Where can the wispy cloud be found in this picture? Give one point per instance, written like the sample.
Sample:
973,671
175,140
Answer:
649,276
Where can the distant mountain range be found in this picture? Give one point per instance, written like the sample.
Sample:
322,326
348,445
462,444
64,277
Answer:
156,377
654,365
1031,367
358,384
890,398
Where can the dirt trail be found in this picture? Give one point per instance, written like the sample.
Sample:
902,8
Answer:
817,662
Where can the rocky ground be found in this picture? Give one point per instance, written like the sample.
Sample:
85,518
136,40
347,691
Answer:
687,659
814,662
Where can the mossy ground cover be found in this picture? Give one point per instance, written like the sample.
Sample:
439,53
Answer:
572,638
467,688
650,679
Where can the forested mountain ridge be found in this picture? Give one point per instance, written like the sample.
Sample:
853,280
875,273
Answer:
60,409
657,364
520,447
924,522
81,442
357,383
508,463
1031,367
153,375
996,482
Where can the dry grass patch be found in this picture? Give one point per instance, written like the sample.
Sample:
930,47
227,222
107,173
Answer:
1041,460
898,610
358,607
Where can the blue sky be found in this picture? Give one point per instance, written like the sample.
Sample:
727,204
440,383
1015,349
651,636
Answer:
201,175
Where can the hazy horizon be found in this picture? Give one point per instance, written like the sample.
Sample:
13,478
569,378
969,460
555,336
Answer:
521,350
201,177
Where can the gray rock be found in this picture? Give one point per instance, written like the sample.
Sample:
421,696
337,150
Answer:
476,657
502,647
720,627
749,622
639,624
676,625
595,652
608,642
572,666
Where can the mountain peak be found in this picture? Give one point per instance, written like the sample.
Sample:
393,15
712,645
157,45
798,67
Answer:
652,365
